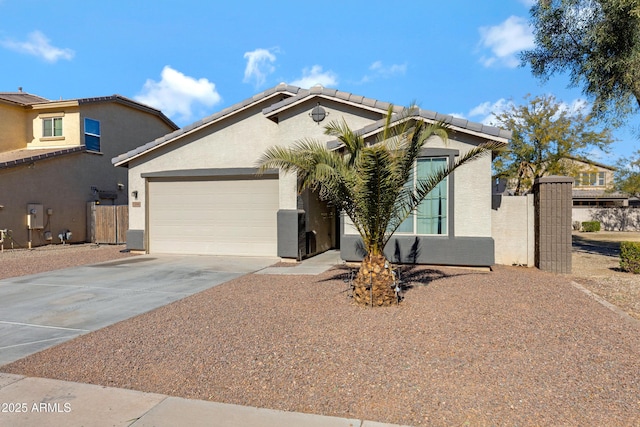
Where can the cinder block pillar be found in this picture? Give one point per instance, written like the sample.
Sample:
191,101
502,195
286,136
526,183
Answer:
553,203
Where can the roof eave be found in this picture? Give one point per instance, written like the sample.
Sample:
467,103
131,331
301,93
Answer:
43,156
378,107
476,129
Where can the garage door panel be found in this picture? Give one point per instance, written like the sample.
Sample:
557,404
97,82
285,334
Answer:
214,217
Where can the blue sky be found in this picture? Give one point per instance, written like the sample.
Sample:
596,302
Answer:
192,58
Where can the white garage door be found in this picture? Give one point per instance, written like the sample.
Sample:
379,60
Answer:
213,217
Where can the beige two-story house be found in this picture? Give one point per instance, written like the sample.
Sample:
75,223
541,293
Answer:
592,185
55,157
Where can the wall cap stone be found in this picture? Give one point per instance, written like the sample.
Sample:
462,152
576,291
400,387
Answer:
554,178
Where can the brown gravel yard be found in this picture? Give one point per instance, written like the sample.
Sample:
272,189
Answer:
20,262
514,346
596,266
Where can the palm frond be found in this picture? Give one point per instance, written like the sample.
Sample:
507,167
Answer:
369,183
410,201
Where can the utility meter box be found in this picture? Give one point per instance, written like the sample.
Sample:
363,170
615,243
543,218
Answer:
35,216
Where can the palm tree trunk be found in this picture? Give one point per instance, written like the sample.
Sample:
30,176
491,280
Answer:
373,285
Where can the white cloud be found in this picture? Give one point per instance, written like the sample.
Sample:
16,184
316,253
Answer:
37,44
314,76
258,66
178,95
505,41
486,112
528,3
379,70
577,106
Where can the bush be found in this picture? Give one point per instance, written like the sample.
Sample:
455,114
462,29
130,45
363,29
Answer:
590,226
630,257
576,225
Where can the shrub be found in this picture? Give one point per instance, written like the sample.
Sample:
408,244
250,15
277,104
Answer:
630,257
590,226
576,225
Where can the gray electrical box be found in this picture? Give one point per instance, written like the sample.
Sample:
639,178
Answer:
35,216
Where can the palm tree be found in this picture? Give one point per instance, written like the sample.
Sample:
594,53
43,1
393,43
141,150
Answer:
368,182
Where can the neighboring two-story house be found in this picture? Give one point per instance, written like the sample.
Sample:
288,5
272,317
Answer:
55,157
593,183
591,187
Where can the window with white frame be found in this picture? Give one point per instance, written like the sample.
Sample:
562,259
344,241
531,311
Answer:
92,134
431,216
52,126
590,179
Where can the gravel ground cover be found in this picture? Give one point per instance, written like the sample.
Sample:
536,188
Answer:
514,346
596,266
20,262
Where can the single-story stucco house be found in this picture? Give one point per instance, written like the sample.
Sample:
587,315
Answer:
195,191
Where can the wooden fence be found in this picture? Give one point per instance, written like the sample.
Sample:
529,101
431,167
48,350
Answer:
107,223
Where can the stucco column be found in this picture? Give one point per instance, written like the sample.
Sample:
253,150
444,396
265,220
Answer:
291,219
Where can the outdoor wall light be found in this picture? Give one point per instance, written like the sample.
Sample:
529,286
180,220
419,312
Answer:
134,194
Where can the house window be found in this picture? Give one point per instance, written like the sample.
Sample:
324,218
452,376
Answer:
601,179
590,179
92,134
52,126
431,215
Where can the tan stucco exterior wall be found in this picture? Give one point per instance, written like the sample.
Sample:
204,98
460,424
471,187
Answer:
70,128
295,123
59,184
13,122
473,199
64,183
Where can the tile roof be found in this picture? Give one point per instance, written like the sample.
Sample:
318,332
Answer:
455,122
346,97
13,158
383,107
296,95
21,98
597,194
591,162
131,103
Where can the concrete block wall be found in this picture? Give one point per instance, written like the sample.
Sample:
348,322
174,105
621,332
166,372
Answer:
553,209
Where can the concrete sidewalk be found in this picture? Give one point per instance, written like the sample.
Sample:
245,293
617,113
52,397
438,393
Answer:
29,402
311,266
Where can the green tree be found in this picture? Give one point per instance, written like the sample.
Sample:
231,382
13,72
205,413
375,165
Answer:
627,176
598,43
544,135
368,183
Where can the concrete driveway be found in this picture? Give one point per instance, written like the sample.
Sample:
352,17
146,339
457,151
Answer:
42,310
